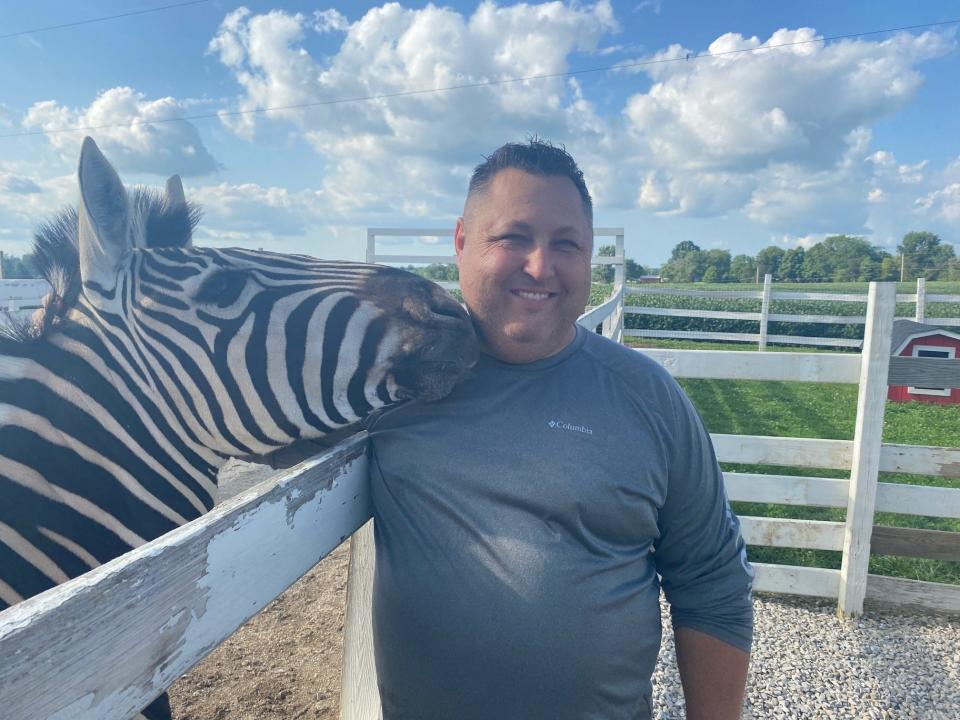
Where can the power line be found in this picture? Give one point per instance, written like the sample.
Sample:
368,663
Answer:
102,19
464,86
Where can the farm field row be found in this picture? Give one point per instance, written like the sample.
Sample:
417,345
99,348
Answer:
811,410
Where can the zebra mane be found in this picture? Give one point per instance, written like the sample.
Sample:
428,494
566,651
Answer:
154,224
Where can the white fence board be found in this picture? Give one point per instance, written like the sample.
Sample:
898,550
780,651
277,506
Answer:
654,290
692,335
105,644
795,580
928,595
867,444
828,492
359,696
741,337
782,532
747,364
29,290
431,259
688,312
833,297
920,460
793,452
597,315
818,341
918,500
826,319
786,489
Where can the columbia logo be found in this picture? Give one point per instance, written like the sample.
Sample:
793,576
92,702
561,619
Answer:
560,425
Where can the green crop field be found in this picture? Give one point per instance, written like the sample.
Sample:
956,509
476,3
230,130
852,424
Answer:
786,307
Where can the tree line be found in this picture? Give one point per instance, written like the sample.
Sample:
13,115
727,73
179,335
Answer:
838,258
13,267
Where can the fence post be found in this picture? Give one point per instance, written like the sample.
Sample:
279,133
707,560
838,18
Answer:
359,697
765,310
613,324
868,436
921,299
371,246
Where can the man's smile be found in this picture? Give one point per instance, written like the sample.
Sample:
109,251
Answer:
539,295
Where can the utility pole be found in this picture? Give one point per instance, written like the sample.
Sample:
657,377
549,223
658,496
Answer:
903,257
756,280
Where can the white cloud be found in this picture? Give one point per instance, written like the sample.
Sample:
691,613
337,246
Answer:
18,184
410,153
330,21
943,204
780,135
794,104
171,146
26,200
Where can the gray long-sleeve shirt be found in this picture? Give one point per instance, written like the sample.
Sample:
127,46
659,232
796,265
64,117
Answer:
521,524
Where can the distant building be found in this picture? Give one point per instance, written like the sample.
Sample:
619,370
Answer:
649,279
913,339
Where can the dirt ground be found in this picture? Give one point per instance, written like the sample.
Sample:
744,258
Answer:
283,664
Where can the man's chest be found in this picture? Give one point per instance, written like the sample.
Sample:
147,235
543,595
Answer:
583,464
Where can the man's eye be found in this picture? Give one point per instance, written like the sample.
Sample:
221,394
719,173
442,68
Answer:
222,289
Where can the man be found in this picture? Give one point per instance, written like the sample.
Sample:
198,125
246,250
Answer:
522,522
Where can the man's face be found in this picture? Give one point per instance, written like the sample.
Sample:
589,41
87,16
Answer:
523,248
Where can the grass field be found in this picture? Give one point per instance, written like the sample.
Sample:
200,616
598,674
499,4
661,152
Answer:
817,410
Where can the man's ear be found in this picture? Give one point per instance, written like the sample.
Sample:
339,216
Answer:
459,238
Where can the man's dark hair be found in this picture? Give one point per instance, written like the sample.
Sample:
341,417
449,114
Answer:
537,157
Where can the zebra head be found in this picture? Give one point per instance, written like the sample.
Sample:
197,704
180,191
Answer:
257,350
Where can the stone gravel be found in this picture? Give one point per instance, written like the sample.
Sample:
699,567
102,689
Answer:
807,663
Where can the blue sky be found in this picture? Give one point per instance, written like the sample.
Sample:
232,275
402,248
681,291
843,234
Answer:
737,151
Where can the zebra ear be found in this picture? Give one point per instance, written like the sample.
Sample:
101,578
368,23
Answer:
173,197
173,192
103,235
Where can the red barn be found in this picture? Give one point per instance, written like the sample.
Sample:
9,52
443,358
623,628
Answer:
913,339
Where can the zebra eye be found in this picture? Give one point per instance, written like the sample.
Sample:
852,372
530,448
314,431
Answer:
222,289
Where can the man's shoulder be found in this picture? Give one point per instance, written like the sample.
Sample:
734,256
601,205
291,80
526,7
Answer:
629,364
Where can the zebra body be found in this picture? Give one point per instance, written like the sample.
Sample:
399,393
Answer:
160,361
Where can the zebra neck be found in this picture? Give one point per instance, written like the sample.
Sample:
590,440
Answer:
64,400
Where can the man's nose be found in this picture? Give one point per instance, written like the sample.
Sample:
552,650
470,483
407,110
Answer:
539,263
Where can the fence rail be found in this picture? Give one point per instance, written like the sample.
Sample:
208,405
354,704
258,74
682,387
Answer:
19,298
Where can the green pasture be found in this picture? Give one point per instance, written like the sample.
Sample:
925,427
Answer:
815,410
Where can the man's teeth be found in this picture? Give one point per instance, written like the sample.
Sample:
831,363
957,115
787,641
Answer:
531,295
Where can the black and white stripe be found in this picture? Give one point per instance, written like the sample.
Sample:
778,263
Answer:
120,403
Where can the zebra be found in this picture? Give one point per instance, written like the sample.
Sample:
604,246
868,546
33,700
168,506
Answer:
153,362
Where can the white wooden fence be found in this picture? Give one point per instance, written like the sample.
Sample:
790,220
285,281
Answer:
105,644
765,316
19,298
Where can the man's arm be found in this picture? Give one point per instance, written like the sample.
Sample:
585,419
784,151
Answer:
713,673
